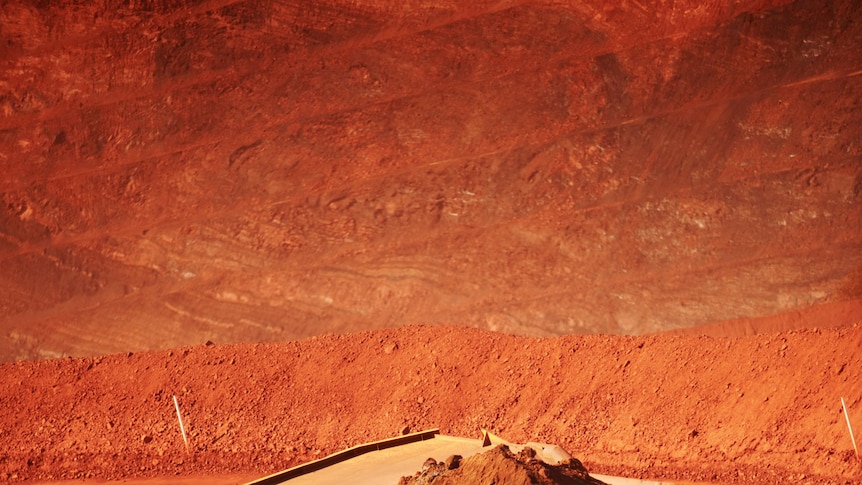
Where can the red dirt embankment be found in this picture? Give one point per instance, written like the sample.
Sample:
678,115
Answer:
760,409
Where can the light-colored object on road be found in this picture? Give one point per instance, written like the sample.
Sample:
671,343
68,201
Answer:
182,428
847,417
551,454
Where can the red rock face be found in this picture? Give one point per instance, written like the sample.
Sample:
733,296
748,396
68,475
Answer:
176,172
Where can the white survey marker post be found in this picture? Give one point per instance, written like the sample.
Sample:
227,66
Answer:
847,417
182,428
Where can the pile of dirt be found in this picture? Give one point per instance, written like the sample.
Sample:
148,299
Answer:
763,409
500,465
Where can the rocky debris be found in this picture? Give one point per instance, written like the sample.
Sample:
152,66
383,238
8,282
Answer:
500,465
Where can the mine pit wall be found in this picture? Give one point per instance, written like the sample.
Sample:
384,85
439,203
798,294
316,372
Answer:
177,172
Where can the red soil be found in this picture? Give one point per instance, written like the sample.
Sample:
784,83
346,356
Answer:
762,409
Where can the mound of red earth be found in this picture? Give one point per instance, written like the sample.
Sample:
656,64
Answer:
500,465
755,410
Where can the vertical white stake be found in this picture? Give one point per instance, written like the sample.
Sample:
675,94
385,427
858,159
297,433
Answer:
847,417
182,428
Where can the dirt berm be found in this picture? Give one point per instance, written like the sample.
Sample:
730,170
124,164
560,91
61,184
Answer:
753,410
